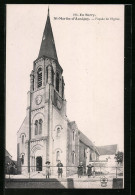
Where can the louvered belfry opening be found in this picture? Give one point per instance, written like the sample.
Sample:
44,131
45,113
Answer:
39,77
57,81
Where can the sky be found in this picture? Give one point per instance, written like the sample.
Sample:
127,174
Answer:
91,53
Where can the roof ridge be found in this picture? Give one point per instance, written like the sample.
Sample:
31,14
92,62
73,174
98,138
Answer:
108,145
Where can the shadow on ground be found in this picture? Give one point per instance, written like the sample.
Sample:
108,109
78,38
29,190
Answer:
38,183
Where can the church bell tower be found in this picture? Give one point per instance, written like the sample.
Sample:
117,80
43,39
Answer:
45,124
47,100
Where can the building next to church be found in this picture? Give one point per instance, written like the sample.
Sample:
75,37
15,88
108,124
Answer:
10,164
46,133
107,153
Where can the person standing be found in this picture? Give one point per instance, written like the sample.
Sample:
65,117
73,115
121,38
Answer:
48,170
60,170
89,170
80,170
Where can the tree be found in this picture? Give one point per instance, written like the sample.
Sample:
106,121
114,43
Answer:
119,157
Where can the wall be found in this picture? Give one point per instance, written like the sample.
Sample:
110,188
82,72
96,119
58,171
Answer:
82,153
111,160
22,148
58,142
72,146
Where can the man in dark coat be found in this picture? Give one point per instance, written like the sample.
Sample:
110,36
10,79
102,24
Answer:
89,170
60,170
80,170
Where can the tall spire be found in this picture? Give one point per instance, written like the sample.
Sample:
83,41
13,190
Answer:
47,47
48,10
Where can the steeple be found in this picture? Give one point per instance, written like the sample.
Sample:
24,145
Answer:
47,47
48,10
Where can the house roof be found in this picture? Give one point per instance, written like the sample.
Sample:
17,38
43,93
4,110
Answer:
7,153
83,138
47,47
107,150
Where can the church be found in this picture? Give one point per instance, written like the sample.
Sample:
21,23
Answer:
46,133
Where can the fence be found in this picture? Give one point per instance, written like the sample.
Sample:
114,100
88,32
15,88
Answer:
67,171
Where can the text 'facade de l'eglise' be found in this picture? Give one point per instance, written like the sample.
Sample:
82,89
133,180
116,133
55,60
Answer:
46,133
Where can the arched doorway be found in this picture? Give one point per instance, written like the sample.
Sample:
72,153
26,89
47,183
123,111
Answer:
39,163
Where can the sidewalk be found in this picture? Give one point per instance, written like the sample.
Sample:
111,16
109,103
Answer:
38,180
41,175
55,184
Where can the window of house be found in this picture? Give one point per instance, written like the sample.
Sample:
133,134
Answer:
39,77
36,127
57,81
57,155
40,126
73,157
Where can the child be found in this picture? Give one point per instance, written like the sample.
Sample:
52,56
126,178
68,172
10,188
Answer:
47,169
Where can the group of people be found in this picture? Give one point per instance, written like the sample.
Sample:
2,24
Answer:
10,168
81,170
60,170
48,169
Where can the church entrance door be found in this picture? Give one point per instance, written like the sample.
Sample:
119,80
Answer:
39,163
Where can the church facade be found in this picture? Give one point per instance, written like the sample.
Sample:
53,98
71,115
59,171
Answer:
46,133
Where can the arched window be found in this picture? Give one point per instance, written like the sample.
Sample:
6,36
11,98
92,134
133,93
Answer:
58,132
39,77
73,135
36,127
47,74
22,139
40,126
57,155
73,157
52,77
57,81
22,159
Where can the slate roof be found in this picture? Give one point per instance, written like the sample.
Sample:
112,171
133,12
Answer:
107,150
47,47
83,138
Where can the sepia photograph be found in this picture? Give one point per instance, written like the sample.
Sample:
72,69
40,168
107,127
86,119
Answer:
64,96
